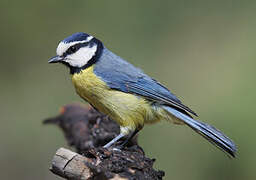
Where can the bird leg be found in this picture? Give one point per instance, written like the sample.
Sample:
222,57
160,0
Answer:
131,135
114,140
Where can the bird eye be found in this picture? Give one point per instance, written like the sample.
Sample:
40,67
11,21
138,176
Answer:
72,49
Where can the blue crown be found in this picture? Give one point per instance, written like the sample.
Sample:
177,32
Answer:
80,36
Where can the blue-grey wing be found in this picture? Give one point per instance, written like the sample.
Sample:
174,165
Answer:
122,76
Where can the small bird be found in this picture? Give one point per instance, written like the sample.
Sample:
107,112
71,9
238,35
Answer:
126,94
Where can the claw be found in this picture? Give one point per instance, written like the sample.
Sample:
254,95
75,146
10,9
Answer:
116,149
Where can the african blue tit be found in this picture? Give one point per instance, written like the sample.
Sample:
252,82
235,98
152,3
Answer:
124,93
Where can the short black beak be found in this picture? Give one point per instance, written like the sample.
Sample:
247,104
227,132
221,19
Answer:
55,59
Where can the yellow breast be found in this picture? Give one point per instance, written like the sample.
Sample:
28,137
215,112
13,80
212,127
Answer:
127,109
88,85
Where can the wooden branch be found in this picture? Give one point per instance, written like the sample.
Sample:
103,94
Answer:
88,130
70,165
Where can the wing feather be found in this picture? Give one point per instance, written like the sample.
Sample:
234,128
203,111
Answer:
166,98
123,76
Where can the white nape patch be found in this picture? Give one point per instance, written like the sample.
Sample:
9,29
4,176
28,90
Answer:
81,57
63,47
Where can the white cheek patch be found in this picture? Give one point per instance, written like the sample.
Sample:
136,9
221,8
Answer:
62,47
82,56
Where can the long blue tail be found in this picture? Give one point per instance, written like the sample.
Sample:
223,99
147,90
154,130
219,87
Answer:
210,133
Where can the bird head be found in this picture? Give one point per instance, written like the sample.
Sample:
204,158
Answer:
78,52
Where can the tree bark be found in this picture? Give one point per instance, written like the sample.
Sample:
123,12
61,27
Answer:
70,165
87,131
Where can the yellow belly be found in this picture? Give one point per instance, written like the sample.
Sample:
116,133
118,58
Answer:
129,110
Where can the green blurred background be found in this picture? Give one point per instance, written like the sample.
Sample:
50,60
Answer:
204,51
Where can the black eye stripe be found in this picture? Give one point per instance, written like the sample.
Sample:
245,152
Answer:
75,48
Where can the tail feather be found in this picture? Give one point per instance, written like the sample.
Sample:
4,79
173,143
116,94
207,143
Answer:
210,133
